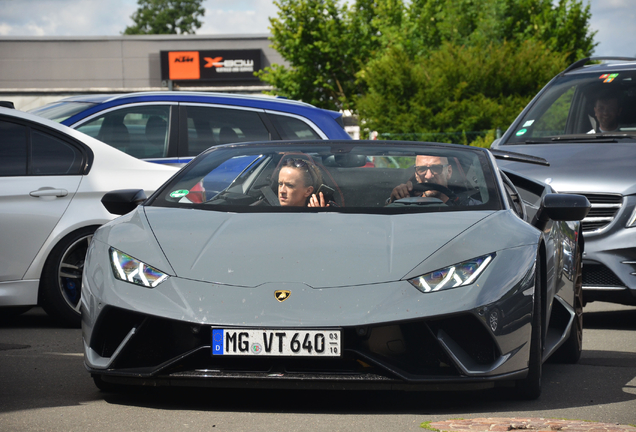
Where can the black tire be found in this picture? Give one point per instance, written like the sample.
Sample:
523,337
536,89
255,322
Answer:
61,282
530,387
570,351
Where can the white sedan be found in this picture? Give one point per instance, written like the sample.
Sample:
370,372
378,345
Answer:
51,181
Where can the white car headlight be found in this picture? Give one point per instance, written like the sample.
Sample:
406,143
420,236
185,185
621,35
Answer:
632,220
131,270
453,276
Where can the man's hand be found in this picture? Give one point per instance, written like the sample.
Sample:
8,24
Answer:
401,191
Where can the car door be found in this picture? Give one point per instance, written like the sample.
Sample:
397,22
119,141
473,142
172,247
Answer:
39,174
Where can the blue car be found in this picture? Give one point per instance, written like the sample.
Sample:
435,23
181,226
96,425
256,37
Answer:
173,127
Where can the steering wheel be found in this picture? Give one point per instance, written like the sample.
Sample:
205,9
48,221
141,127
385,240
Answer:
419,188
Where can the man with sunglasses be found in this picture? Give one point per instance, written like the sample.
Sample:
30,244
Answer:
428,169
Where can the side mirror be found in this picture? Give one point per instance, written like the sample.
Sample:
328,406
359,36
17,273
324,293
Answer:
123,201
561,207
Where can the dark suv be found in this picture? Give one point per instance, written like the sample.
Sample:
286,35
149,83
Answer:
173,127
583,122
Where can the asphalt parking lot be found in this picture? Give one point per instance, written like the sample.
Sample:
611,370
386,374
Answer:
43,386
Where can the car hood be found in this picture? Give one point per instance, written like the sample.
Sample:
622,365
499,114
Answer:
580,167
317,249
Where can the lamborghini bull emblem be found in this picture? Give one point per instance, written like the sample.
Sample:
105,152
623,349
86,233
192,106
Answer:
282,295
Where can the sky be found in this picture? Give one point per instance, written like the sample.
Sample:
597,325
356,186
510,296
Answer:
612,19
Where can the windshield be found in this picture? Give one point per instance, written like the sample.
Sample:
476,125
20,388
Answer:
337,177
60,111
581,104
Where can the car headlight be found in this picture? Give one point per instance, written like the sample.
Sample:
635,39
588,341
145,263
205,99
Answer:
129,269
631,222
453,276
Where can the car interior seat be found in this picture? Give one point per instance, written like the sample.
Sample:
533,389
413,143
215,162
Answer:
200,135
589,109
227,135
627,119
156,128
115,133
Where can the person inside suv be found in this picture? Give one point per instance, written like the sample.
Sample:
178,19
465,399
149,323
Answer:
607,110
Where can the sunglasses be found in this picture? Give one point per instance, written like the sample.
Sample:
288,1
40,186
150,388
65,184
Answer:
300,163
435,169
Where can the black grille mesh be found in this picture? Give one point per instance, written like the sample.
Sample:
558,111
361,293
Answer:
599,275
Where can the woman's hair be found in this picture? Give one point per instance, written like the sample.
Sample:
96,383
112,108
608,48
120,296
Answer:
311,173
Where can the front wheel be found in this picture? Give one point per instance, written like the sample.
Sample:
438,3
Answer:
530,387
61,282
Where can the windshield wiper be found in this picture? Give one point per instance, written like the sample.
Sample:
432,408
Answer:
519,157
580,138
600,137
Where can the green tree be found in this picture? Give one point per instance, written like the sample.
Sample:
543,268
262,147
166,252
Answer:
562,27
426,66
166,17
326,44
457,89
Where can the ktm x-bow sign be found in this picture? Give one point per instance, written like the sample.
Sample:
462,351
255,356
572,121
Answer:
210,65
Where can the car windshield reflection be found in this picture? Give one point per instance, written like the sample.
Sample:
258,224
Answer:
389,177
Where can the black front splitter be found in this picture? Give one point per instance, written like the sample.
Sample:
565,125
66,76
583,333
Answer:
224,379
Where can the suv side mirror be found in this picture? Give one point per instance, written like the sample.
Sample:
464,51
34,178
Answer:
123,201
561,207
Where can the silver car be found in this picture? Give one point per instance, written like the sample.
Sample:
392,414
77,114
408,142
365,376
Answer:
241,280
51,181
584,124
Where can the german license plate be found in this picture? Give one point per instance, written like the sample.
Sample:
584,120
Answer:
264,342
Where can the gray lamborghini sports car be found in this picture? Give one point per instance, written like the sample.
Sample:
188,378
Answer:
235,273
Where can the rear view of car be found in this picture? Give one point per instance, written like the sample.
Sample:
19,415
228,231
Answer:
173,127
584,124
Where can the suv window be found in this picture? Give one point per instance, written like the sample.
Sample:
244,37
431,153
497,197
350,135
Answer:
140,131
291,128
209,126
554,119
582,104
